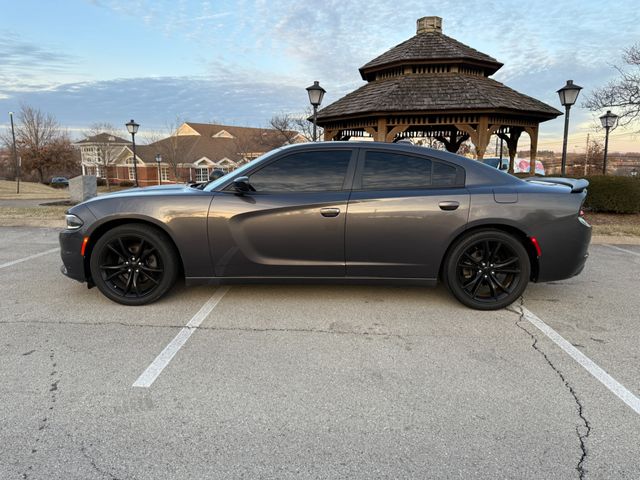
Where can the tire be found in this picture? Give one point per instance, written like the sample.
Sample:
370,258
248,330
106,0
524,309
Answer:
134,264
487,269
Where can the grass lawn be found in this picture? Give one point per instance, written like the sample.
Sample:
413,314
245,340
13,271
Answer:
31,190
614,223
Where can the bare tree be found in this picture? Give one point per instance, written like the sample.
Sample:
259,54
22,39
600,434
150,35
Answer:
41,143
106,149
285,125
623,94
172,148
305,126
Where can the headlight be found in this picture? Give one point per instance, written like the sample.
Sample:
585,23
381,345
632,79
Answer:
73,222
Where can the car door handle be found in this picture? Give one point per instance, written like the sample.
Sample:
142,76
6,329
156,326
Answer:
330,212
449,205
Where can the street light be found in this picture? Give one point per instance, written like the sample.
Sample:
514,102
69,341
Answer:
568,96
132,128
316,92
15,154
608,121
159,161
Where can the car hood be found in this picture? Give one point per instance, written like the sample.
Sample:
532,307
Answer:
159,190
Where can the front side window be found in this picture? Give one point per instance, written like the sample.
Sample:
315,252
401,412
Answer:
388,171
304,172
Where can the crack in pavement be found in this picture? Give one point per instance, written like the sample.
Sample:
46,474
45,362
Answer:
94,465
586,426
223,329
42,424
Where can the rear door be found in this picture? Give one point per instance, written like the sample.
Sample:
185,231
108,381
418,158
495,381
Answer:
292,225
402,214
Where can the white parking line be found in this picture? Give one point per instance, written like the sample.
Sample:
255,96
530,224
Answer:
162,360
603,377
30,257
622,249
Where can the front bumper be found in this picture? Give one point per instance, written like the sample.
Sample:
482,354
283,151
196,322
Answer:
70,251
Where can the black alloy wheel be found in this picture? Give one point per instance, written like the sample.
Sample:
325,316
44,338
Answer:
487,270
133,264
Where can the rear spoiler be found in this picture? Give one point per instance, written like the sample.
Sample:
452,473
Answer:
577,184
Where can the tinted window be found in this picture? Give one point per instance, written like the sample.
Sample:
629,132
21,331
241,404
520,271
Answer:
383,171
391,170
443,174
304,172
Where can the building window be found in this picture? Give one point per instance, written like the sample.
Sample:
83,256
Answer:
132,173
164,173
202,174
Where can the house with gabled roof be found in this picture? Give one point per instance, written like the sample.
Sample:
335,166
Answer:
98,151
194,150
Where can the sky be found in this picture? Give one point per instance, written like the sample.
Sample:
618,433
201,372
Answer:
241,62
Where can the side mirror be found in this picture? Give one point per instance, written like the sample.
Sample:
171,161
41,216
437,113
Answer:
504,166
242,185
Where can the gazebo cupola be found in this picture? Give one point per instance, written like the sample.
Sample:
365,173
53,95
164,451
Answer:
436,87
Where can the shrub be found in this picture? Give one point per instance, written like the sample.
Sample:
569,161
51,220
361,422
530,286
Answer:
126,183
607,193
101,182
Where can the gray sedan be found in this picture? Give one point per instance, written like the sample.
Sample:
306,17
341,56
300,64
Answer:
335,212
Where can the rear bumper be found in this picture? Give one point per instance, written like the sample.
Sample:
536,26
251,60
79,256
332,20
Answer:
72,259
565,250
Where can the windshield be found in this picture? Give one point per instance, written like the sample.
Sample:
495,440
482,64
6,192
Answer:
238,171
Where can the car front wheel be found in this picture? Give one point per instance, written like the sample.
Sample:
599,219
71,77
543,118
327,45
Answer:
487,269
133,264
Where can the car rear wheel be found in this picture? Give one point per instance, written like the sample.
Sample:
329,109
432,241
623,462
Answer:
487,269
133,264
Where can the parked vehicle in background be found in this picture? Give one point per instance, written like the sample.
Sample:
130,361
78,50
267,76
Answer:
335,212
59,182
523,165
497,162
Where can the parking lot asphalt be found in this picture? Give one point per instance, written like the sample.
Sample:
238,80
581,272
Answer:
282,381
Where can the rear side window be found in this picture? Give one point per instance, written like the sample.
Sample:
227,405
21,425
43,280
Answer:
385,171
304,172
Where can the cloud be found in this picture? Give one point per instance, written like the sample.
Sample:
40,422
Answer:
153,102
26,66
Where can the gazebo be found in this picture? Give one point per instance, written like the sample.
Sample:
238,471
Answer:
435,87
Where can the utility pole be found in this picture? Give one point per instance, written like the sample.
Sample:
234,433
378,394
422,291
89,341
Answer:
15,154
586,157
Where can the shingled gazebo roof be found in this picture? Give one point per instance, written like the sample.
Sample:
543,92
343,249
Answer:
453,92
430,46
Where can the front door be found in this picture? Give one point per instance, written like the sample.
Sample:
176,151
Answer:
402,213
292,225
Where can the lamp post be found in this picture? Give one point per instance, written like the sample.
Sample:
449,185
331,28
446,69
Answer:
132,128
608,121
159,161
568,96
15,154
316,92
